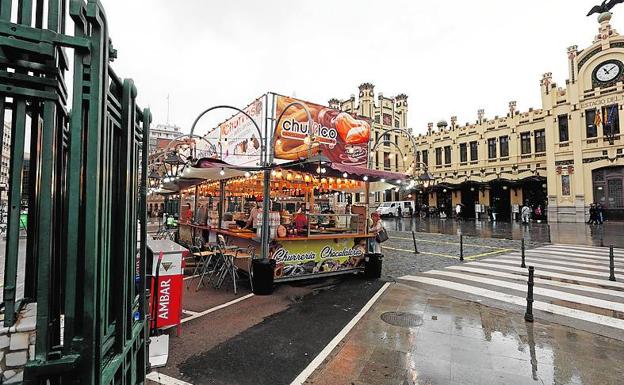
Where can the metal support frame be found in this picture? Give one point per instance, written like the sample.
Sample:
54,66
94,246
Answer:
370,158
82,253
404,132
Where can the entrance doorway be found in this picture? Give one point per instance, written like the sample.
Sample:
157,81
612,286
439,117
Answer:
469,197
608,186
534,194
500,201
444,201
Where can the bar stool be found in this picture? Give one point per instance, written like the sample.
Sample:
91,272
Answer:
228,255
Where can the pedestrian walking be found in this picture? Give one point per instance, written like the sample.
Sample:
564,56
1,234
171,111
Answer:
458,211
411,211
376,228
592,215
493,213
526,214
399,211
600,213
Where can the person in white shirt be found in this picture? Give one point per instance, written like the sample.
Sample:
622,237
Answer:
252,220
526,214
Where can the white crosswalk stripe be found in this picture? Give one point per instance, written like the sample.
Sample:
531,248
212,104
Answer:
574,255
585,249
514,260
570,281
559,257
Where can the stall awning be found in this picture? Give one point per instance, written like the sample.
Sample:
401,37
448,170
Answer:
338,170
212,169
204,169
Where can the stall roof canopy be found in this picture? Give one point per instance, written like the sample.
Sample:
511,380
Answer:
204,169
210,169
337,170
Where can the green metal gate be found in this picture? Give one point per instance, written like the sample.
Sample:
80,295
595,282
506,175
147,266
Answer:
86,194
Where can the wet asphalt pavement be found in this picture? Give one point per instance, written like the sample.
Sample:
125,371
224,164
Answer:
270,340
450,341
277,349
610,233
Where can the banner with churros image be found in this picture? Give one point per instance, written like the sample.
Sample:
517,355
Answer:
340,136
240,138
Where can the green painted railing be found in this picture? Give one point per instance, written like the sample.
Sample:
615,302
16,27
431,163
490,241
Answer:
86,194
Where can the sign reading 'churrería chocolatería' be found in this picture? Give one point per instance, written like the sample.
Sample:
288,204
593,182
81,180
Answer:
295,258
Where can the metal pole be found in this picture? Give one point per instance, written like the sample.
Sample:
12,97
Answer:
415,246
221,203
461,247
266,200
528,316
611,264
523,265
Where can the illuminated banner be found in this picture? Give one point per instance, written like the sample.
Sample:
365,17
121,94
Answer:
296,258
341,136
239,137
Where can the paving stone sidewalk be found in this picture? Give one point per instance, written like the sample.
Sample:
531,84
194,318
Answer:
439,251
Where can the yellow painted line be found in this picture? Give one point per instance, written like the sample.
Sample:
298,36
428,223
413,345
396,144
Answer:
489,253
421,252
447,243
468,258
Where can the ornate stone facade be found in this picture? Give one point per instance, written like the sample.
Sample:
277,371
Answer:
550,156
393,149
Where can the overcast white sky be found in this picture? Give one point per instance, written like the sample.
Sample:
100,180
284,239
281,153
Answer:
450,57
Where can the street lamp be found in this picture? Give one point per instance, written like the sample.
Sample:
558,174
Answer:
173,167
153,179
426,179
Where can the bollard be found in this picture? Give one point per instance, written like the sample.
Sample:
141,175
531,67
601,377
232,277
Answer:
415,246
523,265
528,316
611,265
461,247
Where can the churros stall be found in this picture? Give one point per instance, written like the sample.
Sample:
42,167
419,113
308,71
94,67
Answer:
309,192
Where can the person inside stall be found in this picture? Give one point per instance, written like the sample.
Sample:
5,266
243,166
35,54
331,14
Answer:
188,213
301,221
329,220
252,220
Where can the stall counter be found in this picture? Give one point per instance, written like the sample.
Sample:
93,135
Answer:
302,257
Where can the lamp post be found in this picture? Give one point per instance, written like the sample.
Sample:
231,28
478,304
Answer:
174,165
426,180
153,179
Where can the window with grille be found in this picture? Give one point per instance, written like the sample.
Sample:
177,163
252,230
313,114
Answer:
564,134
492,148
525,143
504,146
591,130
474,152
463,152
540,141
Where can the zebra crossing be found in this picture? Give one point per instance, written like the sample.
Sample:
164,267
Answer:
571,285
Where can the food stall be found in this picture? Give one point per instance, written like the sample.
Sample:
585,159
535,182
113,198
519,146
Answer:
310,190
332,238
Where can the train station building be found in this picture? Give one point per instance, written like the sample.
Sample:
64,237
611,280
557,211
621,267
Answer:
562,156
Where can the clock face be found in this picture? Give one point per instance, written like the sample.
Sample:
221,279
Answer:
608,71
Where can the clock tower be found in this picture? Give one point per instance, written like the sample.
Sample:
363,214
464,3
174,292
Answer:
584,148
